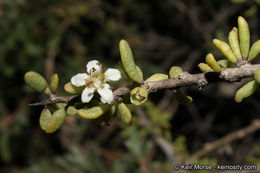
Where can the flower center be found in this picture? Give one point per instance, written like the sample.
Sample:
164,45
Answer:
88,82
95,80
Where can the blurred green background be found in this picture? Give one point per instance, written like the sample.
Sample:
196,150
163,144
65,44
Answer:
61,36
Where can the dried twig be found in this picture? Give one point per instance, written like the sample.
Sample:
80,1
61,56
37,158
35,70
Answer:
209,147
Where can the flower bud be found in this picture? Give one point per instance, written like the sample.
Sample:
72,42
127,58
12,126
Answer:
225,49
244,36
72,89
204,67
55,121
54,82
257,75
234,43
245,91
157,77
125,113
210,60
138,95
254,51
35,81
175,71
128,61
94,112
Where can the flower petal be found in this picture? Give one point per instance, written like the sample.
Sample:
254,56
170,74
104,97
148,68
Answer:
94,66
79,79
106,94
112,74
87,94
102,100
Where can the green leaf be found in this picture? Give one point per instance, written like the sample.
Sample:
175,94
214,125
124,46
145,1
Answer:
175,71
128,61
245,91
225,49
244,36
35,81
226,63
71,110
94,112
157,77
106,117
254,51
72,89
125,113
182,98
44,118
54,82
234,43
204,67
55,121
210,60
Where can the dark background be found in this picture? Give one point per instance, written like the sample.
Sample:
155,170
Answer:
61,36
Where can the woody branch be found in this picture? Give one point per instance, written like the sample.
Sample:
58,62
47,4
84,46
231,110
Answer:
185,79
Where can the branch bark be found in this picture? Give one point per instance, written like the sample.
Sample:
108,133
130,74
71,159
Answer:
203,79
185,79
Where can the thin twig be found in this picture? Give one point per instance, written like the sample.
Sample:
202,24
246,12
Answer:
56,99
209,147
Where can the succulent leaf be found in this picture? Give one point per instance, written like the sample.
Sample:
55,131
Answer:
245,91
35,81
54,82
244,36
175,71
125,113
128,61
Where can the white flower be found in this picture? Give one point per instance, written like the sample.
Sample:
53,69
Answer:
95,80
